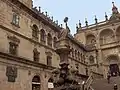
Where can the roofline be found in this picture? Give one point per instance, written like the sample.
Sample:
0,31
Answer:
44,19
103,23
38,16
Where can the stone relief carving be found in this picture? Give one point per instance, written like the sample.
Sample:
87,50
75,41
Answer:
11,73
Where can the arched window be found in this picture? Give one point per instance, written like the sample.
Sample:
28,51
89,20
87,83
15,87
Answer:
81,56
42,36
78,55
106,36
49,60
118,33
35,32
36,55
84,58
49,39
50,84
72,53
36,83
91,58
90,39
55,40
75,54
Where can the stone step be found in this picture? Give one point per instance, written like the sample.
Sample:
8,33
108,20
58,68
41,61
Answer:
102,84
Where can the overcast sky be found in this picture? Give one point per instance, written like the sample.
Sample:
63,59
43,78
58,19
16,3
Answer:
77,10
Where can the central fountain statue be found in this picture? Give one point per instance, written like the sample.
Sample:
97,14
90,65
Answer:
64,78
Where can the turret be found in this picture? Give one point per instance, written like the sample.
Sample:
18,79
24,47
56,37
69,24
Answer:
115,13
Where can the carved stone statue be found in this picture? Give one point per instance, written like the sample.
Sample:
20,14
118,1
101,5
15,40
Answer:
64,78
64,32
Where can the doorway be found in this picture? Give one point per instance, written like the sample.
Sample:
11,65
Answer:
114,69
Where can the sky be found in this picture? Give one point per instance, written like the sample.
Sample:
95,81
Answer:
77,10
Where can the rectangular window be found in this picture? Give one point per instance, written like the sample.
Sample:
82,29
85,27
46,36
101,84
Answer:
13,48
49,60
15,19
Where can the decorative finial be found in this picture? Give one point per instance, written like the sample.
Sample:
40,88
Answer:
32,3
113,4
114,9
57,22
39,9
65,21
52,18
86,22
77,28
46,13
35,7
61,25
106,17
79,24
96,20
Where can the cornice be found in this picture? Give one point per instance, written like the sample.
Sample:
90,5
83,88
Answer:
24,61
31,12
97,26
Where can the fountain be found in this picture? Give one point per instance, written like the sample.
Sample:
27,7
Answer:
64,78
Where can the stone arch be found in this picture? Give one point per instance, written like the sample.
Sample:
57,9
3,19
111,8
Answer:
112,59
118,33
35,26
90,39
78,55
72,53
42,36
75,54
54,42
35,31
49,39
36,83
106,36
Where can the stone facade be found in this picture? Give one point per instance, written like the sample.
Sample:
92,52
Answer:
27,47
28,43
102,41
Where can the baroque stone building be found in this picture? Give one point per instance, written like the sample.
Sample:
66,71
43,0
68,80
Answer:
102,42
27,47
28,42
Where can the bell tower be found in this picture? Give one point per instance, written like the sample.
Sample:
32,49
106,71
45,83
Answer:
28,3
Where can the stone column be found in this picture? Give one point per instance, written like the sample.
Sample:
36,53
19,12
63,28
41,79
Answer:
63,50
